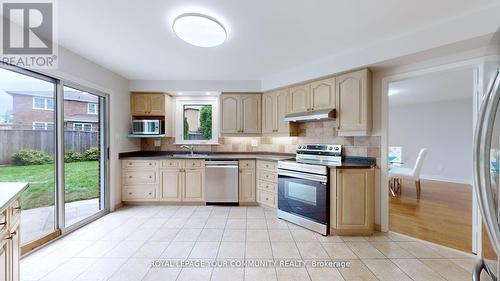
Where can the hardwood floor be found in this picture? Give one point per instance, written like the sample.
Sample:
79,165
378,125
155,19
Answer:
443,215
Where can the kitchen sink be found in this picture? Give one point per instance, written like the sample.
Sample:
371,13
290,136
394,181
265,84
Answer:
188,155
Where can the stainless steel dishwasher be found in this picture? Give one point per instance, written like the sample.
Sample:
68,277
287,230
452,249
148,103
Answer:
221,182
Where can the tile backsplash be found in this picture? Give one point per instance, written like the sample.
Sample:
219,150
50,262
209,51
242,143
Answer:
310,132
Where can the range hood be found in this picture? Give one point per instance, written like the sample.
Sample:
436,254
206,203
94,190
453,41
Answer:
314,115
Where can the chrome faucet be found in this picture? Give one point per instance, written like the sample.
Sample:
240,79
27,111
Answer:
190,147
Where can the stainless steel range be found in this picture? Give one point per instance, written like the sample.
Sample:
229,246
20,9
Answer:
303,186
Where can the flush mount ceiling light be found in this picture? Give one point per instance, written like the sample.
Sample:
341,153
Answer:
199,30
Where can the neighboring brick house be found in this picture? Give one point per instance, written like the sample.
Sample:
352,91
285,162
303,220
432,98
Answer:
35,110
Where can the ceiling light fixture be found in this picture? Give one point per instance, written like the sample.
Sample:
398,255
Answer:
199,30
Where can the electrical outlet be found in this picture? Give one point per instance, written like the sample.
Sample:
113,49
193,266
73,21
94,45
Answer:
157,143
255,143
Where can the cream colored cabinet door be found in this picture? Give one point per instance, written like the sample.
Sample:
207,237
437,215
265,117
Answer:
282,108
171,185
299,98
4,260
156,104
230,114
355,196
140,104
194,182
247,181
15,255
323,94
251,114
268,113
353,102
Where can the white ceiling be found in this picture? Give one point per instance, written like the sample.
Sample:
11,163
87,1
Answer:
439,86
134,39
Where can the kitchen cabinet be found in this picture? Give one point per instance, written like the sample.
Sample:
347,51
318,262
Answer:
241,113
275,105
153,106
182,180
10,247
247,181
299,98
140,180
267,183
353,103
171,184
150,104
313,96
322,94
352,201
193,184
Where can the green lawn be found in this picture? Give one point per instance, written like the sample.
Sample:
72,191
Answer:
81,180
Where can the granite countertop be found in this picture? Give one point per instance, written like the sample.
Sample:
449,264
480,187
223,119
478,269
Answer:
349,162
9,191
206,155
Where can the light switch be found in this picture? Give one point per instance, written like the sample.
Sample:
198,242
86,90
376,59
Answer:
157,143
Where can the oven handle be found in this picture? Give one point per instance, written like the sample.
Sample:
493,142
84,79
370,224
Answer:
312,177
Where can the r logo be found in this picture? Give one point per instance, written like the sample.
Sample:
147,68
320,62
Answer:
27,28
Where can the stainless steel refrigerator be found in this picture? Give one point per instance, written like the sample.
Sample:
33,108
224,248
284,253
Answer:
487,164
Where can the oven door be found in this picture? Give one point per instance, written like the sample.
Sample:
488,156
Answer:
304,195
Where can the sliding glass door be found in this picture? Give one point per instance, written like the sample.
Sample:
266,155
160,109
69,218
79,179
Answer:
27,147
55,138
84,139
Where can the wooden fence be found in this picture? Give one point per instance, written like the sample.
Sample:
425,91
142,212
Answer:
13,140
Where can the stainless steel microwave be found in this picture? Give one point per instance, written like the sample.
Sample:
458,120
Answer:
147,127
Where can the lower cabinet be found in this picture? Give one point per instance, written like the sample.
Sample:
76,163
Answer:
10,247
171,184
267,183
183,183
247,181
352,201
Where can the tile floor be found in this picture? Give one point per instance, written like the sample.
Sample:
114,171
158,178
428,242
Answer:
122,245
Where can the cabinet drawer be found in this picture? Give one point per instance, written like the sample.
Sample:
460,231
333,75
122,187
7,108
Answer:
268,166
14,213
195,163
267,198
268,176
138,164
136,177
247,164
267,186
139,193
171,163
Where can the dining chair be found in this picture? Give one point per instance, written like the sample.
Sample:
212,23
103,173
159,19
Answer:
400,173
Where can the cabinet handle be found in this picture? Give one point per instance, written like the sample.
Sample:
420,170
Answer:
130,164
150,193
129,177
150,164
3,223
130,193
17,208
150,177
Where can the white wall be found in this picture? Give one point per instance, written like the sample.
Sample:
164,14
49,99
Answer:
445,128
77,69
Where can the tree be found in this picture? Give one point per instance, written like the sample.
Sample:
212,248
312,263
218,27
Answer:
186,129
206,121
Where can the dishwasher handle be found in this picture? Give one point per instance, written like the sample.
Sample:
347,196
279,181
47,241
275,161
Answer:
221,164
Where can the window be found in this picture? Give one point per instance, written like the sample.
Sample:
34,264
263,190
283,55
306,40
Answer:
82,127
197,123
43,103
43,126
395,155
92,108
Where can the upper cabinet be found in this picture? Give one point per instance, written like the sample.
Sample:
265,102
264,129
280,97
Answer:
322,94
148,104
299,98
241,113
353,103
275,105
313,96
153,106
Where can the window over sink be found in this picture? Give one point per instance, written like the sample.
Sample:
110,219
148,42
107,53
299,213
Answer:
196,120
